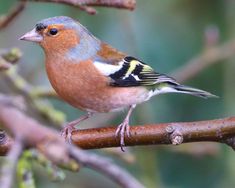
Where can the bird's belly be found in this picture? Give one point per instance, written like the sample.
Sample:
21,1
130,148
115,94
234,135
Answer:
109,99
112,99
83,87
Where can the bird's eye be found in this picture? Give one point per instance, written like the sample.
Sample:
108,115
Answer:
53,31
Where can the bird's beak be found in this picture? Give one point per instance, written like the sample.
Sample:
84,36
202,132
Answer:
32,36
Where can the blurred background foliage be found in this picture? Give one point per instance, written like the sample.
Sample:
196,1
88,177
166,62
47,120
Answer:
165,34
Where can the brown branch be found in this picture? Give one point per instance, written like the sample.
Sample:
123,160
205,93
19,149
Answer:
5,143
85,4
166,133
219,130
208,57
5,20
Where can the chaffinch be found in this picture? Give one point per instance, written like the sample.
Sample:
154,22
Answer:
95,77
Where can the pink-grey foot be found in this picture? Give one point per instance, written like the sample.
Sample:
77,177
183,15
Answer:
124,128
66,132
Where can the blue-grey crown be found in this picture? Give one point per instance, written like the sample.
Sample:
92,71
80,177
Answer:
67,21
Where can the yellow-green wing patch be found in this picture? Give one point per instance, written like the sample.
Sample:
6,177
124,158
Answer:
136,73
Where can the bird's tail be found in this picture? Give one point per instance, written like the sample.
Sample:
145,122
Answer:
192,91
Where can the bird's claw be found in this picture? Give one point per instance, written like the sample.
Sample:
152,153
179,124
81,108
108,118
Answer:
66,133
123,129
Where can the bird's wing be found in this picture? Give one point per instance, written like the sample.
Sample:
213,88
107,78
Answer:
132,72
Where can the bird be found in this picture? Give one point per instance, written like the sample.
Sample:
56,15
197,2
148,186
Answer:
95,77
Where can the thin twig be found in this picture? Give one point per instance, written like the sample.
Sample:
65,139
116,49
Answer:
208,57
85,4
105,166
54,148
129,4
4,65
8,169
33,94
82,4
6,20
40,92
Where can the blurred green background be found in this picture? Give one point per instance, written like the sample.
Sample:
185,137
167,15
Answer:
165,34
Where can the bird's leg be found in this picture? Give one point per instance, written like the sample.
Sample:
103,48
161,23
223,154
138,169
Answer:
69,127
124,128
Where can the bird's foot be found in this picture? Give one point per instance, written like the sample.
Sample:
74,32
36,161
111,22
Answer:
66,132
122,130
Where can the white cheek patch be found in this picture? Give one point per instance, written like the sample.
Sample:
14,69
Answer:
107,69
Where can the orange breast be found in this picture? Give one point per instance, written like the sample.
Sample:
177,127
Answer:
84,87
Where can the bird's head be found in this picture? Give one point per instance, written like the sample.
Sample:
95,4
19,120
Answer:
60,35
